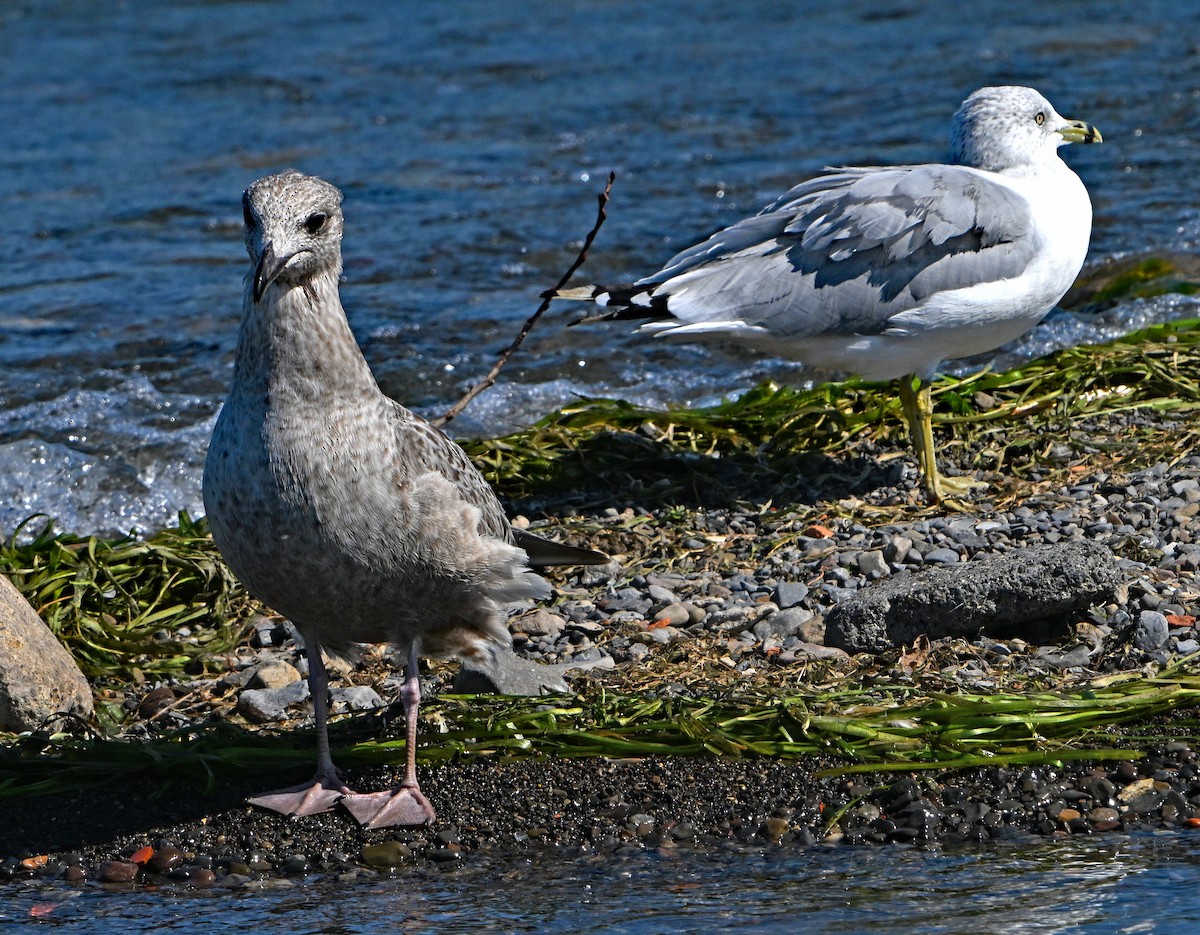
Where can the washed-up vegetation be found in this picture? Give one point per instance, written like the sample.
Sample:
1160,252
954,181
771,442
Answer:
165,607
867,730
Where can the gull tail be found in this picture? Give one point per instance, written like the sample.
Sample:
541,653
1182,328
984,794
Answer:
543,552
619,303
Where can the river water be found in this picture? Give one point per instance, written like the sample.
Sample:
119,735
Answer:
1144,884
471,140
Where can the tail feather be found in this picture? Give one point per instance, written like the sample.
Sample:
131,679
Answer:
618,303
543,552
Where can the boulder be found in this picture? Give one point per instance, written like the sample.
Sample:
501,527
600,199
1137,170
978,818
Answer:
1015,594
38,677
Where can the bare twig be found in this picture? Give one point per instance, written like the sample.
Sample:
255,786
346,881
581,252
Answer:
487,381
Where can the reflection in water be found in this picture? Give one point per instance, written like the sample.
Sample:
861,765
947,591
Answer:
1085,885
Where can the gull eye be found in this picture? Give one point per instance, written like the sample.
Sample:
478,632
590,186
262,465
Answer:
1040,118
314,222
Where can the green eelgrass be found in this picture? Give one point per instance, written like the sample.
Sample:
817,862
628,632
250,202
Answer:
862,730
119,605
995,417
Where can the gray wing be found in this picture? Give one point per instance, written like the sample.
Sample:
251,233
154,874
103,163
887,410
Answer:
426,448
844,252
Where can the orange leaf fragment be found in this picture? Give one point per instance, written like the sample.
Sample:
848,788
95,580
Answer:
1180,620
142,854
40,910
36,863
1192,822
817,531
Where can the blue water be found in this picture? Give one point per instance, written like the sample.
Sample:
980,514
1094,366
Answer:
471,140
1143,884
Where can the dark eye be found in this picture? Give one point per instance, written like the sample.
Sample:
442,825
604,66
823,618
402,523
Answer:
314,222
1040,118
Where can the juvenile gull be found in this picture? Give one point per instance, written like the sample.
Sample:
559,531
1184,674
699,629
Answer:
342,510
886,272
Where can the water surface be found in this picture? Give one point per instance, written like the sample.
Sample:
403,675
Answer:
1143,884
471,141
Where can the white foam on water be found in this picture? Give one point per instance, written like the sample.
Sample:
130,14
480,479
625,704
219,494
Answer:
118,457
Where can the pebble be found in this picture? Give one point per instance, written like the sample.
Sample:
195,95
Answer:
278,674
117,871
386,854
164,859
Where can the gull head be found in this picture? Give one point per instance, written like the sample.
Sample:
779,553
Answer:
293,229
1011,127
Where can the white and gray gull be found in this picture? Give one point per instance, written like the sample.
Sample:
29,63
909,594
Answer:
355,518
886,272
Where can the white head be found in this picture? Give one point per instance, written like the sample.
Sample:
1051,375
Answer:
293,229
1007,127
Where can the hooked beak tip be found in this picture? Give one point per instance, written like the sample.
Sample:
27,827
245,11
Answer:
268,269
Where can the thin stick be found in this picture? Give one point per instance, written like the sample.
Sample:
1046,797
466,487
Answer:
487,381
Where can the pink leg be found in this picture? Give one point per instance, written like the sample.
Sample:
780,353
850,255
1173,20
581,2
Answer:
404,805
322,792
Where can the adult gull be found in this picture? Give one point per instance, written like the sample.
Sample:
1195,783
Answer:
886,272
342,510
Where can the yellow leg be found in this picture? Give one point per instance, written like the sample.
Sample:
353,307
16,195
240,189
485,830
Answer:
918,413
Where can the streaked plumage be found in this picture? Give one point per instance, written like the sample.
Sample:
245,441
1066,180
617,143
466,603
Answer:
335,505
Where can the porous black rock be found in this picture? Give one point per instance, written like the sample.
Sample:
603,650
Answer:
1019,593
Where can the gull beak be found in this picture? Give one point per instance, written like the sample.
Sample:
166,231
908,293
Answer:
1076,131
269,267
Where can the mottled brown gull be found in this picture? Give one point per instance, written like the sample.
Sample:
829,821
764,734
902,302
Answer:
339,508
886,272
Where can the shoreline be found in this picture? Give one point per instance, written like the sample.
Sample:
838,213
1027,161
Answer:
724,598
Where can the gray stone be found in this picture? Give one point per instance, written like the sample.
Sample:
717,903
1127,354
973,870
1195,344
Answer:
897,549
812,631
783,624
816,651
357,697
271,704
790,593
502,672
660,595
539,623
872,565
1151,631
1013,594
38,677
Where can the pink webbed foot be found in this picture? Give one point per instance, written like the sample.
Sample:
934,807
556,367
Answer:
309,798
404,805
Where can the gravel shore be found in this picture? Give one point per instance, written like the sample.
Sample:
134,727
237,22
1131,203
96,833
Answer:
701,599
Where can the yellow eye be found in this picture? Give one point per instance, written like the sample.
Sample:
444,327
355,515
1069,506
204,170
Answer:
1040,118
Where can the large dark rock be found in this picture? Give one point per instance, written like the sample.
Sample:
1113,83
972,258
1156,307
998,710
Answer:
38,677
1015,594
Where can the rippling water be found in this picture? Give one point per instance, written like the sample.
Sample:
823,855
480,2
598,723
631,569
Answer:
471,141
1105,885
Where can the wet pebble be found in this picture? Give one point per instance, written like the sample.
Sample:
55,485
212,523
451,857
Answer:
117,871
